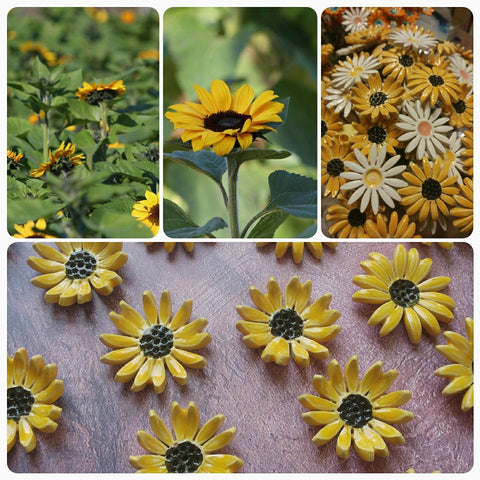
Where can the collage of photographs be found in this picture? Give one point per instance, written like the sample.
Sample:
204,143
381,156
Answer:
200,278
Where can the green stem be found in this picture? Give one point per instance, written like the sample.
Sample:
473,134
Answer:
104,107
45,128
232,168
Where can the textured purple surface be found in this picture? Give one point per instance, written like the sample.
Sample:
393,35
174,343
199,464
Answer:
98,427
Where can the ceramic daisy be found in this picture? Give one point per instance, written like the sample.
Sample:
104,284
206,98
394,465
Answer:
339,101
355,19
353,70
453,157
415,38
461,69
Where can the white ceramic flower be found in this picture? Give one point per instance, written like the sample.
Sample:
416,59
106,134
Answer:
413,38
452,156
339,101
354,69
461,69
355,18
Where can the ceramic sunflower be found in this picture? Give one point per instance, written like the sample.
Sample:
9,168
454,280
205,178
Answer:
222,120
283,325
32,388
402,289
147,211
69,273
461,111
380,133
192,450
315,248
330,125
398,63
467,142
62,161
153,341
333,165
384,227
464,211
348,220
459,351
32,229
358,411
94,94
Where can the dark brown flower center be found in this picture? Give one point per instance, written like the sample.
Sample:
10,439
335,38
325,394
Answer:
431,189
221,121
62,165
356,218
459,106
355,410
286,323
156,341
185,457
324,128
436,80
404,293
19,402
335,167
97,96
405,60
377,134
81,264
377,99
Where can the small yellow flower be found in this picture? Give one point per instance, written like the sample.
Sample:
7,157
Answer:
62,161
151,54
32,387
315,248
116,145
192,449
154,341
93,94
128,17
32,229
42,50
331,126
288,325
35,118
147,211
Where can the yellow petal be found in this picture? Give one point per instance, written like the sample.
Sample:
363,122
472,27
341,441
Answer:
182,316
176,370
242,98
393,415
219,441
252,314
120,356
251,327
149,307
125,326
191,328
129,370
363,446
26,436
20,364
315,349
276,351
335,377
210,429
371,377
322,334
43,424
35,366
428,320
261,301
161,431
382,384
344,442
413,325
48,280
179,418
150,443
388,433
452,353
117,341
319,417
393,399
317,309
159,378
192,421
291,291
274,294
400,261
43,265
370,281
371,295
46,251
326,433
131,315
190,359
376,440
165,307
193,342
46,377
324,388
453,370
303,296
434,284
221,95
351,373
11,433
467,401
312,402
50,411
381,313
392,321
221,463
300,354
143,376
458,384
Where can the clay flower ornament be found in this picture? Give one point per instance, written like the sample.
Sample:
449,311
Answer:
459,351
155,340
281,325
191,450
298,248
358,411
32,388
402,290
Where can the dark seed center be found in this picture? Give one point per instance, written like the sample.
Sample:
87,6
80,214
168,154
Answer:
97,96
377,134
220,121
185,457
62,164
156,341
404,293
324,128
459,106
405,60
436,80
355,410
356,218
431,189
377,99
335,167
152,154
81,264
286,323
19,402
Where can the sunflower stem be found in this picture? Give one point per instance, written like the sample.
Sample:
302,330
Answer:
232,168
104,107
45,129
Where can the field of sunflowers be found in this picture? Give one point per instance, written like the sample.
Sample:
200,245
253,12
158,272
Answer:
83,122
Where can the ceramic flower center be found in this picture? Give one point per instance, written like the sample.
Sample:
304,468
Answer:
377,99
19,402
221,121
286,323
405,60
354,72
404,293
373,177
81,264
436,80
355,410
431,189
356,218
377,135
184,457
156,341
357,20
425,128
335,167
464,74
97,96
324,127
62,164
459,106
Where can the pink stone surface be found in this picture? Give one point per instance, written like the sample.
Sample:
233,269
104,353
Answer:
100,418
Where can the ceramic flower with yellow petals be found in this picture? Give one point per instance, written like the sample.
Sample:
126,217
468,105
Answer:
190,450
297,248
358,411
155,340
282,325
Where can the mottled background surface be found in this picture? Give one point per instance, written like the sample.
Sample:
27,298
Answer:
97,431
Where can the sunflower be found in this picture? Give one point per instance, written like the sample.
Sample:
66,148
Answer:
147,211
464,210
30,47
460,112
401,289
381,228
315,248
94,94
333,158
32,387
153,341
331,126
399,64
380,133
281,326
378,99
430,190
32,229
354,69
349,221
384,47
62,161
359,411
445,47
14,159
458,350
68,274
467,142
223,120
191,451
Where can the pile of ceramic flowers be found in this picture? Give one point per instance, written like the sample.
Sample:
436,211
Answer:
397,127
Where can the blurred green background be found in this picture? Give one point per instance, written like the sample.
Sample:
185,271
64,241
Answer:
268,48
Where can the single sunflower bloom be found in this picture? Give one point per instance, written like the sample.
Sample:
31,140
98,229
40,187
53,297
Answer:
460,112
154,341
192,449
281,326
359,411
384,227
348,221
459,351
399,64
32,229
32,387
63,160
331,126
69,274
380,133
315,248
222,120
14,159
147,211
333,165
402,290
464,211
93,94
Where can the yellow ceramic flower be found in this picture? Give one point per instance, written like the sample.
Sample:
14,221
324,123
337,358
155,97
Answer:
467,142
348,221
385,227
381,133
412,470
221,119
281,326
460,113
459,351
94,94
398,63
147,211
402,291
331,126
170,246
333,157
69,274
315,248
32,229
464,210
327,50
359,411
32,387
191,450
63,160
153,341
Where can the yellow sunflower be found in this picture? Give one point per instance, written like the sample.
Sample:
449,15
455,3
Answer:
63,160
32,229
430,190
331,126
283,325
398,63
464,212
222,120
153,341
402,291
94,94
445,47
384,227
147,211
152,54
348,221
69,274
13,157
460,113
359,411
459,351
333,156
315,248
379,133
32,387
192,449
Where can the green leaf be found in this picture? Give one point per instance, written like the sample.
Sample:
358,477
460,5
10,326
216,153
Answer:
23,210
292,193
84,142
17,126
74,80
83,111
40,70
268,224
120,225
203,161
258,154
